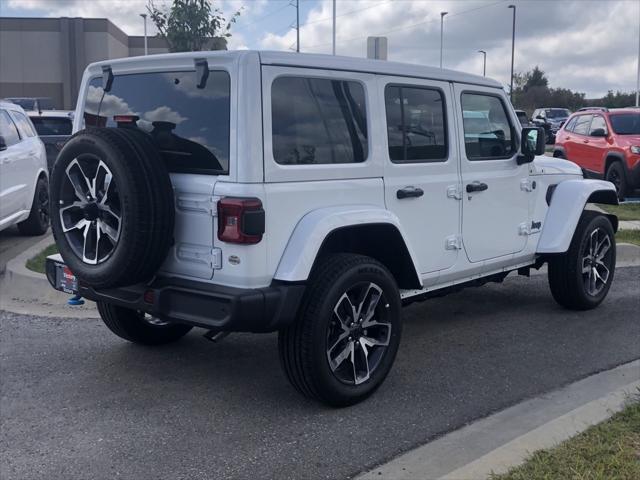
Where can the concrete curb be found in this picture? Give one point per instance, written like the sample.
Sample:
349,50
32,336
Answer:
28,292
505,439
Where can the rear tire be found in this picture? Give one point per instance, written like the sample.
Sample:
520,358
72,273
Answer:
345,340
616,175
37,223
580,278
135,327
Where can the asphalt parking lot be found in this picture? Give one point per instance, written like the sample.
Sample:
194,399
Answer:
77,402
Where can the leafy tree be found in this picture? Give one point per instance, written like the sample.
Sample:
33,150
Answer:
192,25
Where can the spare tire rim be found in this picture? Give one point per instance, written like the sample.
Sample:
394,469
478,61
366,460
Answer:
90,210
596,262
358,334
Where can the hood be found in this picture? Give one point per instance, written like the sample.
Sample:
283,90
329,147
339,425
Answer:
544,165
627,140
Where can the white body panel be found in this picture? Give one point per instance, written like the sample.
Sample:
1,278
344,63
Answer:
562,217
304,203
314,227
21,164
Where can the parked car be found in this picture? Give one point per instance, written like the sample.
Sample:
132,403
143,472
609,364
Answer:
524,119
24,195
33,104
551,119
304,194
54,128
605,144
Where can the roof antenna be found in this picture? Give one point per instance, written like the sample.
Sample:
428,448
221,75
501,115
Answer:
202,72
107,78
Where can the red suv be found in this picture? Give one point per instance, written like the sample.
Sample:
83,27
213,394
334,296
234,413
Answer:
606,144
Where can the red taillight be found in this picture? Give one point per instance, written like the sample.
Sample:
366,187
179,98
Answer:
240,220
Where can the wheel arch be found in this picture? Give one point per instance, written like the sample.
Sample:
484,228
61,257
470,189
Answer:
370,231
566,206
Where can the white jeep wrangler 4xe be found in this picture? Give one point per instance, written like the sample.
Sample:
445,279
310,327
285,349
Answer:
311,195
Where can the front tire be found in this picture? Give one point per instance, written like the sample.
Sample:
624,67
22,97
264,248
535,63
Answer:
136,327
580,278
345,340
616,175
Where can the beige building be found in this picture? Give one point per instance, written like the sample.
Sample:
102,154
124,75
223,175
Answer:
45,57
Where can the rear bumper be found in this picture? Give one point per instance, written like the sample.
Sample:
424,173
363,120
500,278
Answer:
201,304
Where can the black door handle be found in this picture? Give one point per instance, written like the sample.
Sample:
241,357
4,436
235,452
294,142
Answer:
476,187
407,192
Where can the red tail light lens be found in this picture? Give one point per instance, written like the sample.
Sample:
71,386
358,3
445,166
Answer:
240,220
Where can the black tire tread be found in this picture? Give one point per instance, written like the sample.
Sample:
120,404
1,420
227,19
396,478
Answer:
295,342
151,206
127,324
562,271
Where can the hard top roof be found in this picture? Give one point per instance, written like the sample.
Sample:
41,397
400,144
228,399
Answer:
320,61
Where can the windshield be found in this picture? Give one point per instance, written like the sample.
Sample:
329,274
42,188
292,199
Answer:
557,113
625,123
52,125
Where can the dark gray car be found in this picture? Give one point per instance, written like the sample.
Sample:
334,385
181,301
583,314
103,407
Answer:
54,129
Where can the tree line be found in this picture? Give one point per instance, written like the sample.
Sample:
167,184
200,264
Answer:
531,90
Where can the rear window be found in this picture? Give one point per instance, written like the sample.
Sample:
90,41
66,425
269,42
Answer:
189,125
317,120
52,125
625,123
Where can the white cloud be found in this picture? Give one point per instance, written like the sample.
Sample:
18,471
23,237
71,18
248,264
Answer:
585,45
164,114
111,104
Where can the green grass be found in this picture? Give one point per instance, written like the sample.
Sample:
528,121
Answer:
607,451
628,211
37,263
628,236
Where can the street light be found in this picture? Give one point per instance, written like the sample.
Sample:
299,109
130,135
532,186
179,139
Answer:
442,14
144,16
334,27
513,49
484,62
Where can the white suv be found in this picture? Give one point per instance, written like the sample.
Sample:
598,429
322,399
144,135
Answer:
24,194
313,195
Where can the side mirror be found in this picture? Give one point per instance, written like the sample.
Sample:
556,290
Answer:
599,132
3,144
531,144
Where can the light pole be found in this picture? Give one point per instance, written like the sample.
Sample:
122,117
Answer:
334,27
484,62
144,17
297,25
442,14
513,49
638,74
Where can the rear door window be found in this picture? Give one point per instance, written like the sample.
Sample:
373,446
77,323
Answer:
416,129
570,126
318,121
582,125
189,125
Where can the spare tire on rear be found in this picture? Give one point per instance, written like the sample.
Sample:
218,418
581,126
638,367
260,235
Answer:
112,208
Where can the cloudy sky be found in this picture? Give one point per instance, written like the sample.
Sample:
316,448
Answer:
586,45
